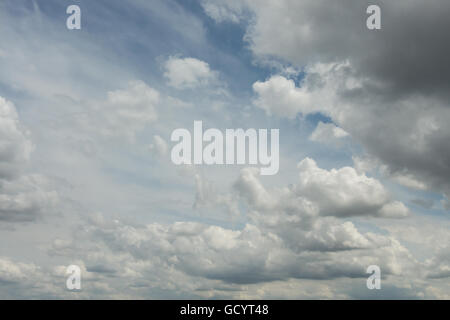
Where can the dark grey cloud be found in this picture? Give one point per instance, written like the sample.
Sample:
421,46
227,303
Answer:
388,88
410,54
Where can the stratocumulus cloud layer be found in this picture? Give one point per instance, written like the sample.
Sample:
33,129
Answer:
86,177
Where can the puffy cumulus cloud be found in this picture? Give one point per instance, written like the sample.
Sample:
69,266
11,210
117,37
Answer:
183,73
344,192
328,133
304,215
287,237
318,91
296,220
15,146
23,197
279,96
338,192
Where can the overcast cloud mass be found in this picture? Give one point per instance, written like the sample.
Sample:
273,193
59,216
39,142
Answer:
86,177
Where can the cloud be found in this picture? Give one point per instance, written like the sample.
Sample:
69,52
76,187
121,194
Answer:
15,146
407,53
406,135
208,197
388,89
208,253
328,133
20,280
128,111
220,11
289,235
305,214
288,238
188,73
328,224
159,146
438,267
279,96
26,198
23,197
344,192
123,114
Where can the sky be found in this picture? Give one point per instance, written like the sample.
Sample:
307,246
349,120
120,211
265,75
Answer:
86,176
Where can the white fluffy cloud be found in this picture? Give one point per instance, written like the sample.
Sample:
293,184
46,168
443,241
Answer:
183,73
318,91
344,192
328,133
279,96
